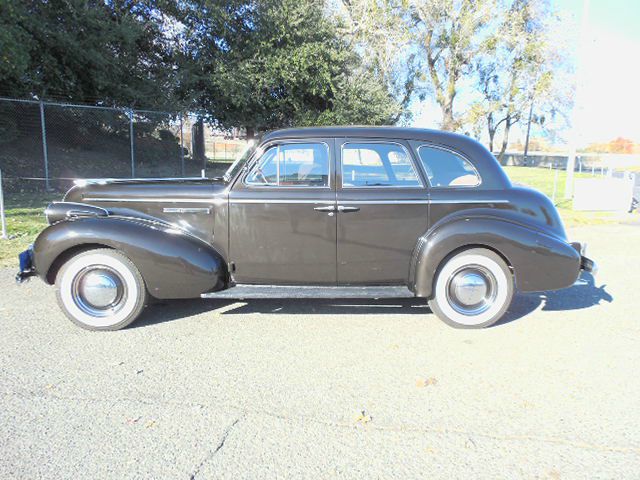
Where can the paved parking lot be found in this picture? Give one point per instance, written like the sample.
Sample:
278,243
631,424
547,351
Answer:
316,389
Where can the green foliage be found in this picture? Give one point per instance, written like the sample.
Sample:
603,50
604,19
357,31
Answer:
261,64
85,50
286,66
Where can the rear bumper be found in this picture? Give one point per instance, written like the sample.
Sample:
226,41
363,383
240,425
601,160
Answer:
27,268
586,264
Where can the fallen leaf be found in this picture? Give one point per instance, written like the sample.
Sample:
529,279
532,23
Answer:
362,417
425,382
131,421
150,424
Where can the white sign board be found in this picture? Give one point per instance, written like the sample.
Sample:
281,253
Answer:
605,194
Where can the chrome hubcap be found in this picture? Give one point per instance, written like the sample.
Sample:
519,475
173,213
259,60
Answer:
98,291
471,290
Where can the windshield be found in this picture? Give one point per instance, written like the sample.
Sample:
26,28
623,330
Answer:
240,160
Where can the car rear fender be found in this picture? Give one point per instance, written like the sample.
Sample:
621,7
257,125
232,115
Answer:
539,261
173,263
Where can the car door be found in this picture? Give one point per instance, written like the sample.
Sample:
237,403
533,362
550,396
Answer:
282,224
383,208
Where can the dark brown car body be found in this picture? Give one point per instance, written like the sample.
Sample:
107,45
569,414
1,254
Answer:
193,236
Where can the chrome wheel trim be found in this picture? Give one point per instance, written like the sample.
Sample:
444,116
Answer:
98,290
471,290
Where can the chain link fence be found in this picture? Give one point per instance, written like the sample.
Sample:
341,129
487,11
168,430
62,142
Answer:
46,145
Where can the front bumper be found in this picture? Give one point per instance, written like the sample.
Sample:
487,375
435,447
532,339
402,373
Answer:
27,268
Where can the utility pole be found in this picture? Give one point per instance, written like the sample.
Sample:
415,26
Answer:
577,107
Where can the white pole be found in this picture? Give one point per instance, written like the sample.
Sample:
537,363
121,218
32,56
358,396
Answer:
577,107
133,152
2,217
45,149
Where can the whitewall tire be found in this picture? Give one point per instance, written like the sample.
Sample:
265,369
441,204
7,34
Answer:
100,289
473,289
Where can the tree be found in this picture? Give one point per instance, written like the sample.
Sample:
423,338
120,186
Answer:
517,71
377,30
86,50
450,34
282,64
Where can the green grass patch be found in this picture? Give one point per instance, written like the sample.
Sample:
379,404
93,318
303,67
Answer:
25,220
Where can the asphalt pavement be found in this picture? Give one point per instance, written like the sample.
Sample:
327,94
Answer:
355,388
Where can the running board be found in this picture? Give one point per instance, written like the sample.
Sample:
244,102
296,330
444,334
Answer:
241,292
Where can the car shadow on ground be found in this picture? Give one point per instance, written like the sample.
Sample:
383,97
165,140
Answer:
583,294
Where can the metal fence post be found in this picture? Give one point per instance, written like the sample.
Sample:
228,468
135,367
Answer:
181,147
3,220
45,152
555,185
133,153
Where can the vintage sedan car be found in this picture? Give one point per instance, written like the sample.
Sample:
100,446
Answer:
335,211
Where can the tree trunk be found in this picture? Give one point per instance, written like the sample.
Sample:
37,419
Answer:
526,142
448,123
505,139
197,141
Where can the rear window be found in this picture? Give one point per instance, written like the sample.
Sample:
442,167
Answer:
447,169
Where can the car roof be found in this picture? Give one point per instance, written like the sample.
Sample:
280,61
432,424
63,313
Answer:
405,133
492,175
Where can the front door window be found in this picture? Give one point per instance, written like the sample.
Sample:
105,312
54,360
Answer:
292,165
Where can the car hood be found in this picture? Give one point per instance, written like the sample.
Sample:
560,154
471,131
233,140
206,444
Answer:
192,205
156,190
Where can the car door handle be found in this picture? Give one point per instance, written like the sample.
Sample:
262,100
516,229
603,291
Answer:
328,208
342,208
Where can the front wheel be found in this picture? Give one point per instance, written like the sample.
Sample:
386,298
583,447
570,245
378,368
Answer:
473,289
100,290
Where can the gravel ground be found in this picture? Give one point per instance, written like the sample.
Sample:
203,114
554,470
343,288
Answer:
315,389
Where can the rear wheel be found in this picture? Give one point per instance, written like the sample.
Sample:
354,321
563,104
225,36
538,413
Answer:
100,290
473,289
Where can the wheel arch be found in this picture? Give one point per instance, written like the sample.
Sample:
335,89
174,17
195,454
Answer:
50,275
471,246
172,263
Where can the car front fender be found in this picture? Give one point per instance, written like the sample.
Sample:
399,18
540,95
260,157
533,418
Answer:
539,261
172,263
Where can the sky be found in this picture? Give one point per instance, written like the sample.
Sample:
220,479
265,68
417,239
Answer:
608,102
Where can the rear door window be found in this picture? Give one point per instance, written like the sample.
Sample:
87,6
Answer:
377,165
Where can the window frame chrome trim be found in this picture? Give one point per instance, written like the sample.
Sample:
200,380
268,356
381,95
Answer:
416,170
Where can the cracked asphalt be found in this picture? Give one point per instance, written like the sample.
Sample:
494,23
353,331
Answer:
330,388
